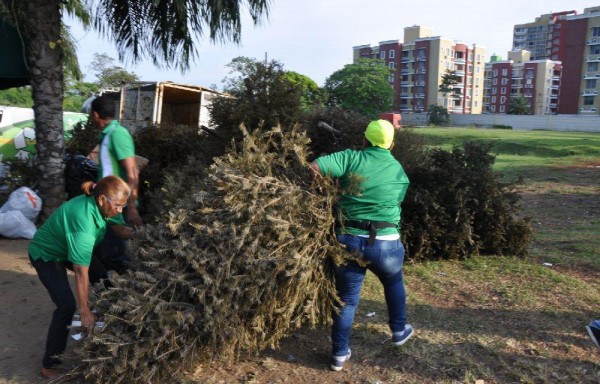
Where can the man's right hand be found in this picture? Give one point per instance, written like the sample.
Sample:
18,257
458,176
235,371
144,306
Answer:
88,319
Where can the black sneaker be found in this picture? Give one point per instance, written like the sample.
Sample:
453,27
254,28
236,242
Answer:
594,334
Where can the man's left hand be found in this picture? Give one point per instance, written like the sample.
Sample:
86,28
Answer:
132,217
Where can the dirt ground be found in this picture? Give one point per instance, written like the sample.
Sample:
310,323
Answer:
24,315
25,312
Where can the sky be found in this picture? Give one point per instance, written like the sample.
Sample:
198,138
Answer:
315,37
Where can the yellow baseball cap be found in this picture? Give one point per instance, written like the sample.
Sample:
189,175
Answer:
380,133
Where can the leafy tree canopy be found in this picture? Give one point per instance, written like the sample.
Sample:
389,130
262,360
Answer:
519,106
449,80
362,87
108,74
311,95
262,94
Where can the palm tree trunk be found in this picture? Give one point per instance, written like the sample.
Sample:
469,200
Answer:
45,60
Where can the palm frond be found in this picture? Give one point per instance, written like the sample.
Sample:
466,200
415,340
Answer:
166,31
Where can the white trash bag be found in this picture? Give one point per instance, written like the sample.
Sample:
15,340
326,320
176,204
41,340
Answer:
25,200
14,225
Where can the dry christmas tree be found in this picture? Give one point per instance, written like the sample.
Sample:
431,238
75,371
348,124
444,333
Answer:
241,261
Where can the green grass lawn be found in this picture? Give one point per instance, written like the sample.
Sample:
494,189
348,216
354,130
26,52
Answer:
507,319
522,152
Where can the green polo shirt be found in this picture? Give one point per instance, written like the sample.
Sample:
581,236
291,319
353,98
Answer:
70,233
382,185
116,144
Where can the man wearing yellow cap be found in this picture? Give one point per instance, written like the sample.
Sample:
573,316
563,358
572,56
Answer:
371,227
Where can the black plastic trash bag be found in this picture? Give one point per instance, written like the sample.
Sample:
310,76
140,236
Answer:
78,169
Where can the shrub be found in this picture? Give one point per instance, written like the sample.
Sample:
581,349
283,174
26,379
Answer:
437,115
501,126
456,207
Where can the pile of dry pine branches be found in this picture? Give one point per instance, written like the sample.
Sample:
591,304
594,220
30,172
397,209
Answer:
240,262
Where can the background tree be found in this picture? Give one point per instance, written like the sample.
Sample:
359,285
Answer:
437,115
519,105
161,30
108,74
311,95
16,97
449,82
362,87
262,94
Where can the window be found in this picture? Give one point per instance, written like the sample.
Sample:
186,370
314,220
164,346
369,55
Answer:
392,78
475,104
504,71
494,89
590,83
593,66
555,49
382,54
494,81
503,91
392,65
595,50
504,81
502,109
588,100
493,99
392,54
595,31
502,99
495,73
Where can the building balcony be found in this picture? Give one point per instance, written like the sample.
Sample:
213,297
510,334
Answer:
591,58
555,86
591,76
593,41
421,58
419,95
587,109
589,92
405,96
459,60
421,71
404,71
405,59
460,73
420,83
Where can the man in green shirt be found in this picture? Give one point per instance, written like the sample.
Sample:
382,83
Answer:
375,185
116,155
66,241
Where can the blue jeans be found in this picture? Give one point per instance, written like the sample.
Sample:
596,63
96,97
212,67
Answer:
384,259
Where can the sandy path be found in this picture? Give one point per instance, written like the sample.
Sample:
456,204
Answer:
25,312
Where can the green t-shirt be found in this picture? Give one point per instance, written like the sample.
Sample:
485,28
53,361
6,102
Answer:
116,144
382,185
70,233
